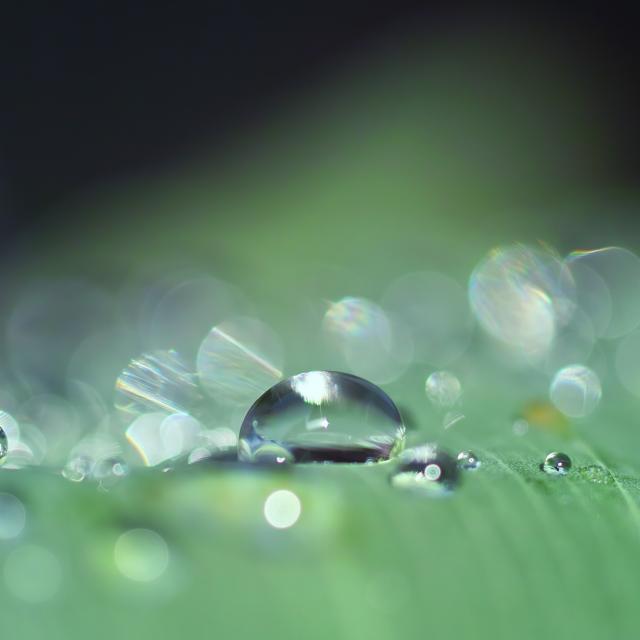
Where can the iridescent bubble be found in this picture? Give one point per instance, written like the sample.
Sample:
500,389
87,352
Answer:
436,311
468,461
158,381
322,416
443,389
32,574
619,270
426,470
238,360
521,296
575,391
557,464
141,555
372,343
282,509
628,362
13,516
158,437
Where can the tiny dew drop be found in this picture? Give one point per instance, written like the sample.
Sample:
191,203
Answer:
426,470
556,463
468,461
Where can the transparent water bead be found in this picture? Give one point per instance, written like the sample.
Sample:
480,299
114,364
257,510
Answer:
468,461
427,470
443,389
557,464
321,416
4,445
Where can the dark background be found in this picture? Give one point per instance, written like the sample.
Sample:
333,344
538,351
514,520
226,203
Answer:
95,92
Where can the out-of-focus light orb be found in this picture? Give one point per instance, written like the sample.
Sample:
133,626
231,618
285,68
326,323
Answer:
573,343
282,509
372,343
48,323
436,311
628,362
32,574
158,437
183,307
619,270
141,555
521,295
443,389
592,293
322,416
13,516
238,360
575,391
158,381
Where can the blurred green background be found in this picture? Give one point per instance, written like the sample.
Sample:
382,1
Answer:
415,153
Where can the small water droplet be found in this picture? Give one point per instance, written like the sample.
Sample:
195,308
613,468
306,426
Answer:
4,445
596,473
78,468
359,421
556,464
468,460
443,389
426,469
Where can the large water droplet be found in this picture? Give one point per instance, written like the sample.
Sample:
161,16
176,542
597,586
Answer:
322,416
427,470
576,391
556,464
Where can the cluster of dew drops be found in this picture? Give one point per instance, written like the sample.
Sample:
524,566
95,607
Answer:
535,309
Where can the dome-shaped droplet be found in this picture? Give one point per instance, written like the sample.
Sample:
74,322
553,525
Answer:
426,469
556,464
4,445
468,461
321,416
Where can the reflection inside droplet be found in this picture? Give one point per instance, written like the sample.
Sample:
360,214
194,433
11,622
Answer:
427,470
